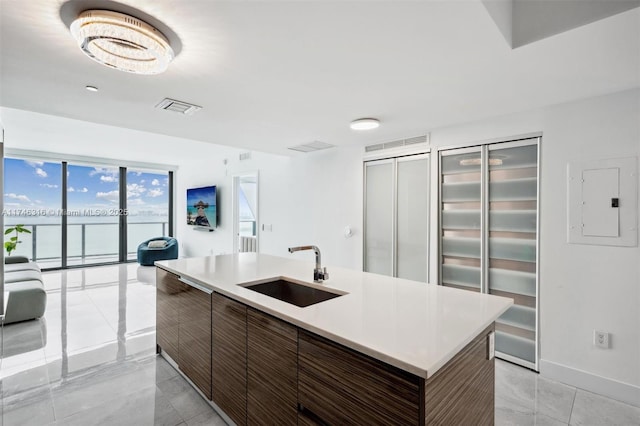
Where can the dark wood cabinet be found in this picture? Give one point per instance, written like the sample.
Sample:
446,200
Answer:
340,386
337,385
261,370
183,327
195,337
168,290
271,370
229,357
462,392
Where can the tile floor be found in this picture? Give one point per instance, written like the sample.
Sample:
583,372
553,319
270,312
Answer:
91,361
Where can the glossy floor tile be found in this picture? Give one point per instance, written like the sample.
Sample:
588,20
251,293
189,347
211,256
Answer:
521,392
91,361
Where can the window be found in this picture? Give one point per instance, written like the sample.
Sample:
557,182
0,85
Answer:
147,207
32,197
78,214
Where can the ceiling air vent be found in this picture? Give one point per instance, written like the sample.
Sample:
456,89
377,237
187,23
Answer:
312,146
178,106
424,139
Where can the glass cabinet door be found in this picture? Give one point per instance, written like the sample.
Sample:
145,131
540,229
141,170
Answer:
378,226
461,218
412,222
513,194
396,228
488,241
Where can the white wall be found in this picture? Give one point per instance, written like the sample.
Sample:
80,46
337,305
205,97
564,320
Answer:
582,287
309,199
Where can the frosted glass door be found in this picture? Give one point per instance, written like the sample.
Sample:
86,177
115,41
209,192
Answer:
489,214
412,217
461,218
513,189
379,202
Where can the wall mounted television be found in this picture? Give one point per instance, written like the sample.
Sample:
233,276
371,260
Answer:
202,209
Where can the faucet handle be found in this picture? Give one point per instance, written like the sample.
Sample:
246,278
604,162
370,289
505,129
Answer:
320,275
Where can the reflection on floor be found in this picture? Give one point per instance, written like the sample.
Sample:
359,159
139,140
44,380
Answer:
91,361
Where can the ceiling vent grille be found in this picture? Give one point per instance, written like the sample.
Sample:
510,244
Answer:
178,106
424,139
312,146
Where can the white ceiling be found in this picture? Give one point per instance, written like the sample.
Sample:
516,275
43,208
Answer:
274,74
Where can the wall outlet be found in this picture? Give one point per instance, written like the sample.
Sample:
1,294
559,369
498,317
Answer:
601,339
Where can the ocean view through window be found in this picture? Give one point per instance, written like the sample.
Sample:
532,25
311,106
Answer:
35,196
147,207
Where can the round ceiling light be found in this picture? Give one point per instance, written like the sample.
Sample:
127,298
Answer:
122,42
365,124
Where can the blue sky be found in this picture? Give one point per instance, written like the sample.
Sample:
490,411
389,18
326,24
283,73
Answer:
37,185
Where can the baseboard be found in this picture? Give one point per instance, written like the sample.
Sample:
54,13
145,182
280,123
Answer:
614,389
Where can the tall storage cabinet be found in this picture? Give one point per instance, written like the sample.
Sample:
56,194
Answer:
397,217
489,235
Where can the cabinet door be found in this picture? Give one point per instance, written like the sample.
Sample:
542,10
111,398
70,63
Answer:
462,391
168,290
513,196
412,217
272,370
461,218
229,357
340,386
195,337
378,224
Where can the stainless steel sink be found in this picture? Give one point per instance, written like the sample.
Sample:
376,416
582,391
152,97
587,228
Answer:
292,292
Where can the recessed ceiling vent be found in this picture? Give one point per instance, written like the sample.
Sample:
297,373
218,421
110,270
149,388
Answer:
312,146
424,139
178,106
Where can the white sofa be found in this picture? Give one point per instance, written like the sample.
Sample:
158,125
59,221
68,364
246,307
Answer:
26,296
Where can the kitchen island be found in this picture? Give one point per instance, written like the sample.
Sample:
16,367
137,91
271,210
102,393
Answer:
385,351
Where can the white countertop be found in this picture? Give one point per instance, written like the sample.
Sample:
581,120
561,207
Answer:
414,326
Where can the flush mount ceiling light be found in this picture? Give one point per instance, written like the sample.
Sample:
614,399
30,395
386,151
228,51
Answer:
91,88
122,42
365,124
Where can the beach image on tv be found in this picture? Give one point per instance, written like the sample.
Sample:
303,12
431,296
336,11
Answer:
201,206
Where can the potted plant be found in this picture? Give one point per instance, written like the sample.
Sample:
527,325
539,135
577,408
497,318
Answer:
13,242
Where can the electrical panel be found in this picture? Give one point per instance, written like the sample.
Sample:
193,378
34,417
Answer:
603,203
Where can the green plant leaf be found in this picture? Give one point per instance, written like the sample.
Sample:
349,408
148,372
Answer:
8,231
14,238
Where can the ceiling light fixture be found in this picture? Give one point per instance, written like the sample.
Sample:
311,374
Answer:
365,124
122,42
91,88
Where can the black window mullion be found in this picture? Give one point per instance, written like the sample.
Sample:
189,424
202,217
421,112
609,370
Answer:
122,252
170,219
64,223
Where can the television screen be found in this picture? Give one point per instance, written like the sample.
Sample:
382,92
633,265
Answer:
201,207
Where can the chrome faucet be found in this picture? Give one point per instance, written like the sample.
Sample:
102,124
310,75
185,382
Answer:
319,273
